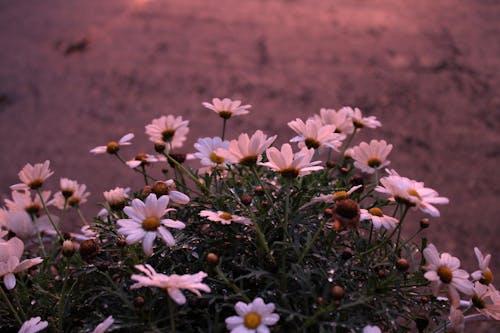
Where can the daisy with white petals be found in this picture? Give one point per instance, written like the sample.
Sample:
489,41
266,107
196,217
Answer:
340,119
254,317
113,147
224,217
170,283
24,201
291,165
206,151
10,264
371,329
358,120
410,192
33,176
443,270
227,108
116,198
143,159
169,130
486,299
146,222
372,156
484,274
247,150
378,218
78,197
33,325
313,134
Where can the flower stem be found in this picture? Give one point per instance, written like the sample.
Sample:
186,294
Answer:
59,234
223,129
230,284
171,315
287,209
187,172
11,307
39,234
143,168
346,145
313,240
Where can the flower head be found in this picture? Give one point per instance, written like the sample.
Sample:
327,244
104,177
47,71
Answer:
24,201
313,134
253,317
169,130
10,255
113,147
411,193
116,198
170,283
206,151
444,270
33,176
484,274
247,150
371,329
486,299
146,222
143,159
358,120
291,165
33,325
340,119
78,197
371,157
224,217
227,108
378,218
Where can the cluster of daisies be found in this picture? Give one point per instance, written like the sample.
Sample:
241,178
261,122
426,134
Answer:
27,226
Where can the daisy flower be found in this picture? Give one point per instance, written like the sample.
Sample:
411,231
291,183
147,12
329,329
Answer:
486,299
358,120
484,274
113,147
206,148
247,150
330,198
224,217
378,218
411,193
371,329
252,317
116,198
33,325
291,165
10,255
340,119
227,108
78,197
371,157
313,134
444,270
20,223
171,283
33,176
146,222
169,130
24,201
143,159
102,327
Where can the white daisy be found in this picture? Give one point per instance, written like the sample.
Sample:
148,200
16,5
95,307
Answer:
253,317
20,223
371,157
358,120
224,217
227,108
144,160
378,218
247,150
486,299
33,325
24,201
33,176
68,187
10,264
411,193
313,134
169,130
340,119
371,329
102,327
146,222
291,165
206,151
113,147
444,270
116,198
484,274
171,283
78,197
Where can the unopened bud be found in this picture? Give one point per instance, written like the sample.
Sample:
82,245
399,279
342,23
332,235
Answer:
160,147
424,223
337,292
139,301
258,190
68,248
89,249
147,190
212,258
402,264
246,199
160,188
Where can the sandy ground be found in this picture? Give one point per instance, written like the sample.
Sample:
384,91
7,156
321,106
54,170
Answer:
75,74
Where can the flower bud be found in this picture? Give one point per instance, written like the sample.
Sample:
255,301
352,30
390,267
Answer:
246,199
89,249
424,223
68,248
258,190
160,188
337,292
147,190
212,258
179,157
402,264
139,302
160,147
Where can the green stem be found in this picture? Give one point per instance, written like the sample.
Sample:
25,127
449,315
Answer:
230,284
11,307
313,240
40,240
80,214
187,172
223,129
346,145
287,209
266,192
62,301
143,169
171,315
61,217
46,209
400,225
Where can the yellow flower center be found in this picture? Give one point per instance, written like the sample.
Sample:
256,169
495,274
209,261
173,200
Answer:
151,223
445,274
141,157
290,172
487,277
414,193
167,135
340,195
216,158
225,114
249,160
376,211
73,201
358,123
374,162
35,184
33,209
112,147
478,302
312,143
225,216
252,320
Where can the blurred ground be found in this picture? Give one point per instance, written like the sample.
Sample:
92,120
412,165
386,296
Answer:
76,74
